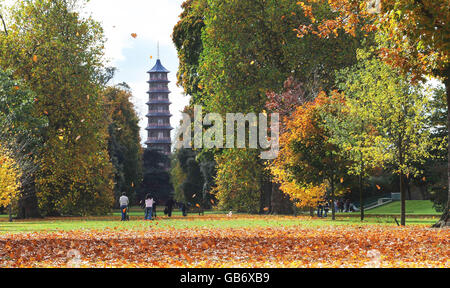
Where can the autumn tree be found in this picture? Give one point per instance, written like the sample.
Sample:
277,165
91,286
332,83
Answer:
309,163
396,112
75,171
124,141
9,180
21,134
233,53
414,36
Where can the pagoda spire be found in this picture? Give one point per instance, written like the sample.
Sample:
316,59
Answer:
158,50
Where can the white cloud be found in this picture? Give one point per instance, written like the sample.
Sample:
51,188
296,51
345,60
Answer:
151,20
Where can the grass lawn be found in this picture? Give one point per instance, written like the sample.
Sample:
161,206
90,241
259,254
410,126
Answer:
213,219
413,207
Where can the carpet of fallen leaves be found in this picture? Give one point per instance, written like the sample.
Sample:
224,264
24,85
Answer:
284,246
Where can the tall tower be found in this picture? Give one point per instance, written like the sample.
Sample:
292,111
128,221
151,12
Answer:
158,109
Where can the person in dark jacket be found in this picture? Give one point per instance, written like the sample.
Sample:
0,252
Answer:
326,208
154,208
169,207
184,209
320,209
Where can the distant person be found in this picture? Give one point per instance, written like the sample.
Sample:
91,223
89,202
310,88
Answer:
347,205
154,208
123,202
148,207
351,207
336,205
326,208
319,209
341,205
184,209
169,207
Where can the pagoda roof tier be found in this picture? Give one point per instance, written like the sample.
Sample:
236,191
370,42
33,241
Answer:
159,91
158,68
158,127
155,101
158,81
152,114
158,141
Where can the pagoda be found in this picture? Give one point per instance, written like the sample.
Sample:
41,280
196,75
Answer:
158,110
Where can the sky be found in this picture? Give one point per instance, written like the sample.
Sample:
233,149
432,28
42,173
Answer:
152,21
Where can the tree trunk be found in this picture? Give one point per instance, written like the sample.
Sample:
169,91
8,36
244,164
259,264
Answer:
281,204
361,199
10,213
402,200
28,203
445,218
333,210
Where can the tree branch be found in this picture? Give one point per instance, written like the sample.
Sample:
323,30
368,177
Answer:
4,25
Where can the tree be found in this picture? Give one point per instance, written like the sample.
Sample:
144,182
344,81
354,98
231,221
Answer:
356,138
20,134
414,37
397,112
309,162
233,52
187,37
238,187
75,175
191,184
124,141
156,179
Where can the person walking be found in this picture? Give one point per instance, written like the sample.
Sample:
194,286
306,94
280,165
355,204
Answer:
326,208
319,209
154,208
347,205
123,203
169,204
184,209
148,207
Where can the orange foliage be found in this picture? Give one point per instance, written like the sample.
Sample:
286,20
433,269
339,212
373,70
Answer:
302,126
290,246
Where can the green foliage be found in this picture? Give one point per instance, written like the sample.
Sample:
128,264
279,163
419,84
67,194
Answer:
395,111
59,55
189,181
188,41
250,48
20,133
238,180
156,179
392,126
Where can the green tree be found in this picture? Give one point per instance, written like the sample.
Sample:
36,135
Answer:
385,100
58,54
20,133
248,48
414,37
124,141
156,179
